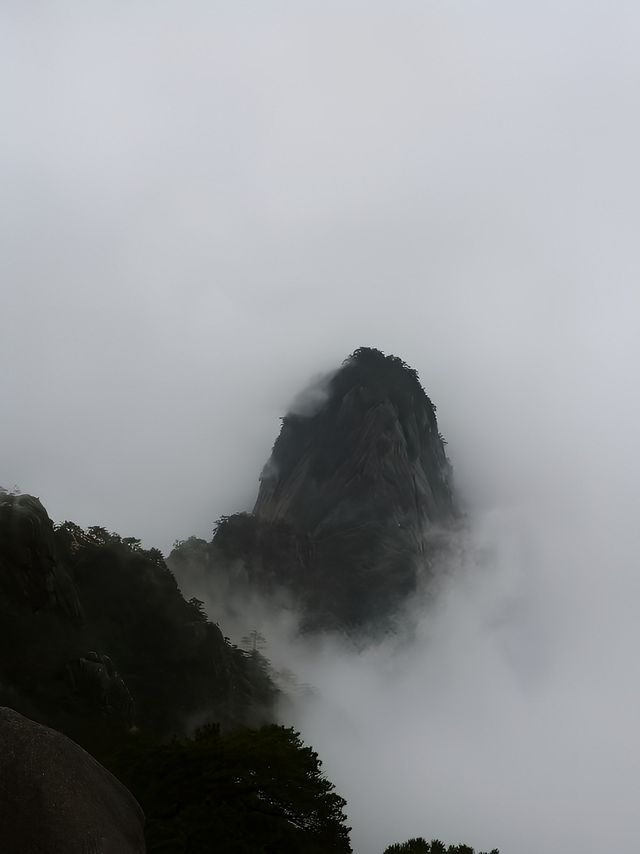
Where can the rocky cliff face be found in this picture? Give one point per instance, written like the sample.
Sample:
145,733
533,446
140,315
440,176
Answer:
371,452
29,569
96,636
357,484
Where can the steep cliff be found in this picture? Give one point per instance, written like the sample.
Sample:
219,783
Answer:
371,453
96,636
350,502
29,569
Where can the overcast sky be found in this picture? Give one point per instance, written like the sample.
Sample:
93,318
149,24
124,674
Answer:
205,204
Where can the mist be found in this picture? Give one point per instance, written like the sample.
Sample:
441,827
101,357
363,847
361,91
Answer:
509,721
504,712
205,206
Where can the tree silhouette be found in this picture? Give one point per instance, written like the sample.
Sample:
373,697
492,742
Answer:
254,641
419,845
259,791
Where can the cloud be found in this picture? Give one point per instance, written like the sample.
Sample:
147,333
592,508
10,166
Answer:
313,397
507,716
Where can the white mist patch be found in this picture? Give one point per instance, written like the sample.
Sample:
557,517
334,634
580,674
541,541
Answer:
508,721
506,716
270,470
312,398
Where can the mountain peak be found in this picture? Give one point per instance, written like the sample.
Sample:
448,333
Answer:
371,440
370,367
357,478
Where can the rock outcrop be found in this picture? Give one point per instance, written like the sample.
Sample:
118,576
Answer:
371,452
29,569
352,502
96,636
94,677
55,798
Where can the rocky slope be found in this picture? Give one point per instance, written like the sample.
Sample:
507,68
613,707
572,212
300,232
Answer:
97,636
351,503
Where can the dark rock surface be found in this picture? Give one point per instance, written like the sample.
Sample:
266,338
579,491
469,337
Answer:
29,569
56,799
94,677
370,452
352,503
95,636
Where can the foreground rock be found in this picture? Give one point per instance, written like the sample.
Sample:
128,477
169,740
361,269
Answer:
30,571
56,799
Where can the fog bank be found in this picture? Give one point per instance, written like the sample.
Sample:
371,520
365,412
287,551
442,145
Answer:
505,715
510,721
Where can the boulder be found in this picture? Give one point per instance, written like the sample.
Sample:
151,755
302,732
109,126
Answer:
57,799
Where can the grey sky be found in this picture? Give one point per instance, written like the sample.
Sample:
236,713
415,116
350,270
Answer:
205,204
